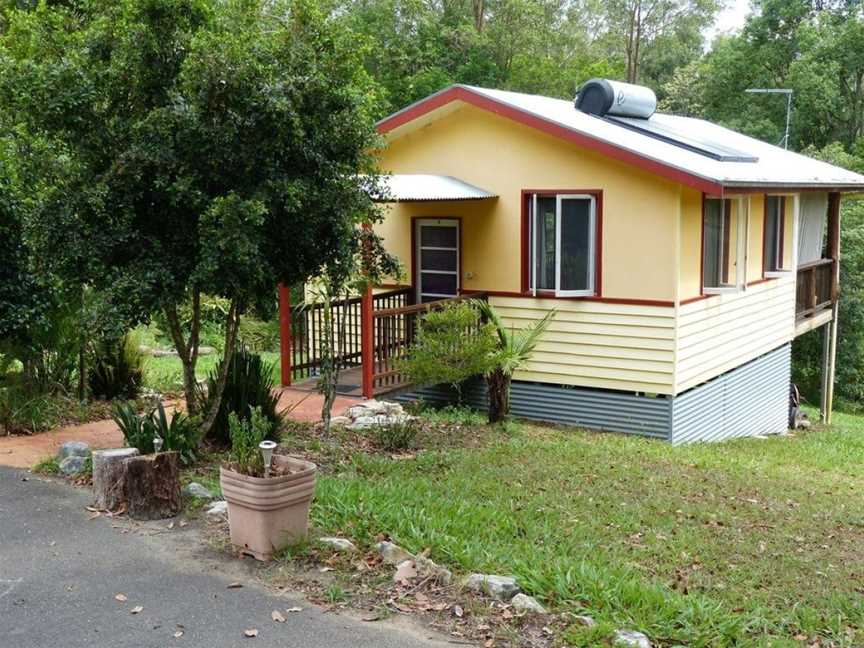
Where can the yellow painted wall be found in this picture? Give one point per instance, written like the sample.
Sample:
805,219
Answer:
504,157
644,348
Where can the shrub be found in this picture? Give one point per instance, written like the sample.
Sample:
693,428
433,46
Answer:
258,335
396,436
118,371
250,384
181,434
453,344
246,435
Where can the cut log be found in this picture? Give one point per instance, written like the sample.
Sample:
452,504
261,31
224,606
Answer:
152,486
108,471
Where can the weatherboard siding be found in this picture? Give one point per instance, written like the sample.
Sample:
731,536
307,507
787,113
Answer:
726,331
623,347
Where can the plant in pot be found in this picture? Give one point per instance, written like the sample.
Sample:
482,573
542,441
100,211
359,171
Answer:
268,494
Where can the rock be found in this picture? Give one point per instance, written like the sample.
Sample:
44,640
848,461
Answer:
340,420
524,603
392,554
73,449
584,620
368,408
630,639
366,422
218,511
72,465
339,544
206,350
194,489
163,353
428,569
502,588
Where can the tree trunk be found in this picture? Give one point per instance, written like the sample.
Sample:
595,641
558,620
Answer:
232,323
151,486
188,353
498,384
108,475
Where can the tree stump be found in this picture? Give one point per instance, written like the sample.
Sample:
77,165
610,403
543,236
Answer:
152,486
108,471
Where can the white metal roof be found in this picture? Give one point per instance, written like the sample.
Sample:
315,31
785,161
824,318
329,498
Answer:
416,187
775,167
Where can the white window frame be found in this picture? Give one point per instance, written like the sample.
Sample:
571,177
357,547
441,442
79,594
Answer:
592,244
742,245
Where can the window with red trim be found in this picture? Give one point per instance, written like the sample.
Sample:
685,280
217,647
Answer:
562,243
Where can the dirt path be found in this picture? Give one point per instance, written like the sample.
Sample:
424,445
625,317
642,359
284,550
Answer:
25,451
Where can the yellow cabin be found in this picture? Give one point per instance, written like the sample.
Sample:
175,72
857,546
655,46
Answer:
682,258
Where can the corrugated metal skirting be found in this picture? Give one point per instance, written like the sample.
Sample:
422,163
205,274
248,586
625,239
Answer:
595,409
752,399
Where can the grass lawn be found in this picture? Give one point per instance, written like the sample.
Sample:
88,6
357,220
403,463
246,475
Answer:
750,542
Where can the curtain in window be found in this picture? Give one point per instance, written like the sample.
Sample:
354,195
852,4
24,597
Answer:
811,234
713,256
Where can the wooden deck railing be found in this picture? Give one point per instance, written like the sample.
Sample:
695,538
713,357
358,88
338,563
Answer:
307,322
816,289
395,330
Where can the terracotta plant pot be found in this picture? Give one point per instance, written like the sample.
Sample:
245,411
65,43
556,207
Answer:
267,514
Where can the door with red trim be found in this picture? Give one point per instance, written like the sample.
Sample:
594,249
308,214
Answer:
437,258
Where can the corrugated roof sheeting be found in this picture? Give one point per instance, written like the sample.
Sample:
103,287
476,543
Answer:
775,166
422,187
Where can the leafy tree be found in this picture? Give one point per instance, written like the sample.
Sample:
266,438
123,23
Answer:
220,145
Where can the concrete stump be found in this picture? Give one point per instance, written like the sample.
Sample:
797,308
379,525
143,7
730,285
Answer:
151,486
108,470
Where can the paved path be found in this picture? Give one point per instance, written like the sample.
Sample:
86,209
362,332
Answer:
60,571
27,450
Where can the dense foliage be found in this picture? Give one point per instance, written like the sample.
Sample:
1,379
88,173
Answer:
249,387
178,432
453,344
118,371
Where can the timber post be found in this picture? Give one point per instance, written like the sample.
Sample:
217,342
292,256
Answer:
285,333
367,342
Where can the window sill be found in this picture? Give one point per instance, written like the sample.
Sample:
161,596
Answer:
731,290
776,274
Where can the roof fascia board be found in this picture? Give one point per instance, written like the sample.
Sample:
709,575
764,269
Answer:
462,93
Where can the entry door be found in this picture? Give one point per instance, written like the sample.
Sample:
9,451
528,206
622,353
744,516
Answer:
437,256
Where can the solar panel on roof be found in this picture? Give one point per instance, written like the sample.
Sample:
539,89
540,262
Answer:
678,137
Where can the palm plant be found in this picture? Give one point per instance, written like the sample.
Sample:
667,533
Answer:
515,347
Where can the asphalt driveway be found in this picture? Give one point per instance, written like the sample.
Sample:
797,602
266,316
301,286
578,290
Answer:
60,572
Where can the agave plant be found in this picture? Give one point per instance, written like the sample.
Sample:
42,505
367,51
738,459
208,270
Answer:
515,347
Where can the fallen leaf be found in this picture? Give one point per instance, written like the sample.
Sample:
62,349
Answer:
183,523
325,569
170,525
277,616
251,632
137,609
294,609
120,597
92,509
489,643
457,610
235,585
178,634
